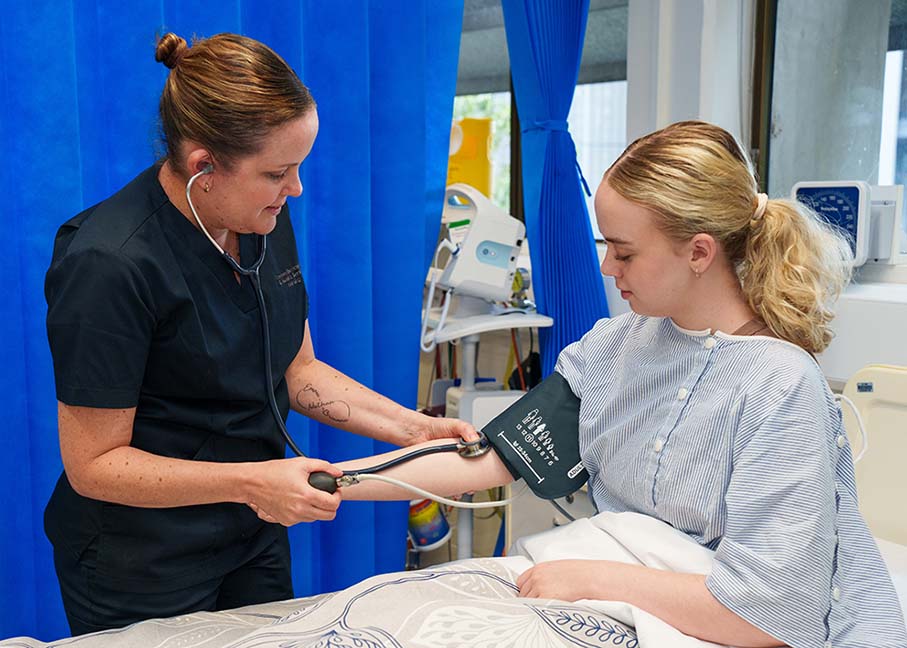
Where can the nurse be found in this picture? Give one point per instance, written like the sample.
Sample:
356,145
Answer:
166,433
705,408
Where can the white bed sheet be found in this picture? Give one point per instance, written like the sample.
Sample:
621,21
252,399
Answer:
895,557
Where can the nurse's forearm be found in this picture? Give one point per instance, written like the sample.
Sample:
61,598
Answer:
130,476
133,477
100,462
327,395
444,473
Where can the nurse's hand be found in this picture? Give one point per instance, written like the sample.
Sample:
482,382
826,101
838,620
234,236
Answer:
433,428
280,492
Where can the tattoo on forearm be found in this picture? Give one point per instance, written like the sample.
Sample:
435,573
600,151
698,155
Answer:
309,399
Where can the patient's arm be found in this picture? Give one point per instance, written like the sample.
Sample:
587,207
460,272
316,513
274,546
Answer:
681,600
444,473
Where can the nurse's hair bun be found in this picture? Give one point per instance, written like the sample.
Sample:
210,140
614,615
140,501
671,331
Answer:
170,49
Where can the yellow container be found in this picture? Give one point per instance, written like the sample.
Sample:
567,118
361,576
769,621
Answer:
470,153
428,528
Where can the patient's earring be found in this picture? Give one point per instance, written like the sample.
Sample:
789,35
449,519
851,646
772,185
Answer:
207,187
695,272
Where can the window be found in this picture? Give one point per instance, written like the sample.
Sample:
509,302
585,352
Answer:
598,123
496,107
598,114
839,103
893,144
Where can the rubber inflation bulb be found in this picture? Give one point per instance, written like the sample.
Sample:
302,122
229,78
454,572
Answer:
323,481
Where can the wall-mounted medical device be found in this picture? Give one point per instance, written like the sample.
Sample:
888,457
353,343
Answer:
876,300
872,217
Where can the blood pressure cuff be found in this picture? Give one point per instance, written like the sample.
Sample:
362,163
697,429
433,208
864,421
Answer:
537,438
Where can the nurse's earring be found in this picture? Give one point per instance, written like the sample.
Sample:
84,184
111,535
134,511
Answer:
695,272
208,168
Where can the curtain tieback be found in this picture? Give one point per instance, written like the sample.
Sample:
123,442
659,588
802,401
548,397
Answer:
558,125
547,124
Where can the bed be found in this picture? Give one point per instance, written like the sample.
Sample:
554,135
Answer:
466,603
879,393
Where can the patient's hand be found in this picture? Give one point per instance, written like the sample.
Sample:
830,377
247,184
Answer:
279,491
565,580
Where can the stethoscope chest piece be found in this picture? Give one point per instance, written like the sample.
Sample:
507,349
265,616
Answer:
473,449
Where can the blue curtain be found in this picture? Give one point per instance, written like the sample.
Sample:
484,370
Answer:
545,42
78,109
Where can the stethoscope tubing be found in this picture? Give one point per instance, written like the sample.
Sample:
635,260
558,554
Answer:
254,275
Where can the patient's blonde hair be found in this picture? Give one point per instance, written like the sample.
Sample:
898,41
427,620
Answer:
697,179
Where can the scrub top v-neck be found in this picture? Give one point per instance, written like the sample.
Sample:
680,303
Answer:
144,312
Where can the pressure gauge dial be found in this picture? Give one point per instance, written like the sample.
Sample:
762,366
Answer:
845,205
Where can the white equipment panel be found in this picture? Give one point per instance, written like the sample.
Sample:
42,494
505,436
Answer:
880,394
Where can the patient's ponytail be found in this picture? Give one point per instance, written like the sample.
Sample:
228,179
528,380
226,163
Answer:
793,268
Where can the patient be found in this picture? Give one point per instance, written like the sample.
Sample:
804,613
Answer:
705,408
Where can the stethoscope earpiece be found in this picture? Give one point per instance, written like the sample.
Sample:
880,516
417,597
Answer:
251,271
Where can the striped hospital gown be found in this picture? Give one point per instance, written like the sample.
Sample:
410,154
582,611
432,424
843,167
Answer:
736,441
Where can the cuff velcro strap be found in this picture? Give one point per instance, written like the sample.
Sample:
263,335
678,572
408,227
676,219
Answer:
537,438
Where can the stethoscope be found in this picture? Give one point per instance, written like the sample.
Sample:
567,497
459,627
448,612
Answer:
323,480
254,275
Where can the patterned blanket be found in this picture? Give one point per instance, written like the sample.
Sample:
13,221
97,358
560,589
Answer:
469,603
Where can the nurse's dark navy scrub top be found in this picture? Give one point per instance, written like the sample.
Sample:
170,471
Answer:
144,312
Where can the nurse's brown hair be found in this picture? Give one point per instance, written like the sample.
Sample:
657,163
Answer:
696,178
226,93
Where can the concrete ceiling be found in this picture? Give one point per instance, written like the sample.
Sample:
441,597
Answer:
485,65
